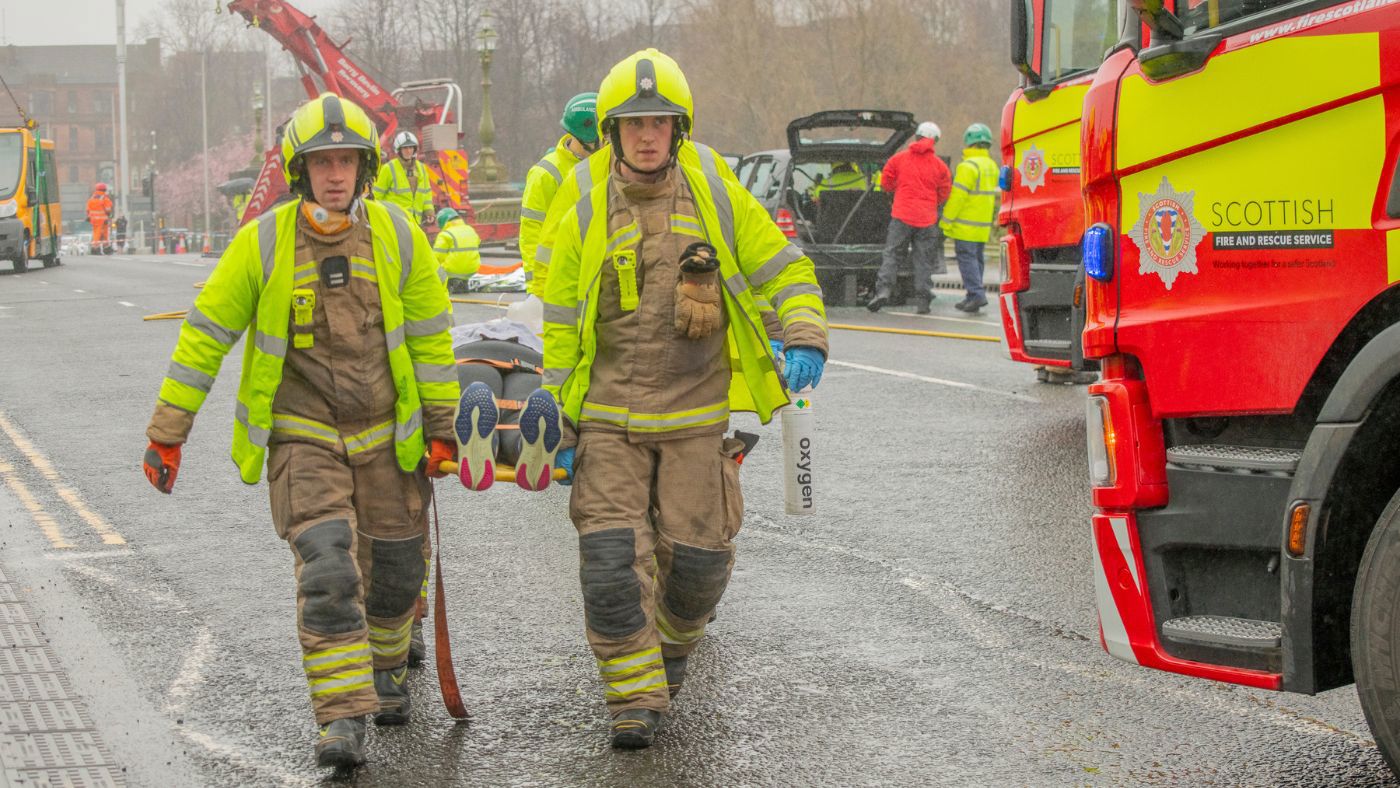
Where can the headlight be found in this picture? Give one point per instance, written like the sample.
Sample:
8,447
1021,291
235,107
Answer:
9,208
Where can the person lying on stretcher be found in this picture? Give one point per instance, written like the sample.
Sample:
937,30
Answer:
504,418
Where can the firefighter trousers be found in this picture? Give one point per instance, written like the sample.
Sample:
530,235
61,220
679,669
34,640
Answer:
656,523
359,538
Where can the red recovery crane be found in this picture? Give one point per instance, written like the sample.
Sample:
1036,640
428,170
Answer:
431,109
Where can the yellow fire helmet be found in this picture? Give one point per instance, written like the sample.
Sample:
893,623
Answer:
647,82
324,123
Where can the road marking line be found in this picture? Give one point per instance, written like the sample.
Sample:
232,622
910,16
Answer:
191,670
940,317
191,265
76,290
41,463
925,379
126,303
46,523
83,556
42,282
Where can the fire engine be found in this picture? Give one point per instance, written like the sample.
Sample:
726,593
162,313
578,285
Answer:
1041,207
1241,251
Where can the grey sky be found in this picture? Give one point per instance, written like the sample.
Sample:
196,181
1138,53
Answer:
31,22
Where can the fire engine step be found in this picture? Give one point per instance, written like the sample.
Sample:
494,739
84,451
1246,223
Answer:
1047,344
1224,631
1240,459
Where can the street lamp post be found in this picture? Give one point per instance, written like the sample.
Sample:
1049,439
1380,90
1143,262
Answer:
491,172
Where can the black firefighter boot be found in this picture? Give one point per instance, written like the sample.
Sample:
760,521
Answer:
394,704
675,674
635,729
342,743
417,649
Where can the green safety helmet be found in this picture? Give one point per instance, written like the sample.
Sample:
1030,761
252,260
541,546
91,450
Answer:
324,123
977,134
447,215
581,118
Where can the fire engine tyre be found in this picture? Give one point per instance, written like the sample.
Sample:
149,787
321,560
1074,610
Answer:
1375,633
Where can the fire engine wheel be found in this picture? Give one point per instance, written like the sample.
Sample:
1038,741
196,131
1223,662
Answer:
1375,633
21,260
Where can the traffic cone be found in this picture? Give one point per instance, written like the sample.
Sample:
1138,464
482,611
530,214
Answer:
180,245
207,247
160,245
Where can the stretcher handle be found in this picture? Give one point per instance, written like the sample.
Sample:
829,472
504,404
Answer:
505,473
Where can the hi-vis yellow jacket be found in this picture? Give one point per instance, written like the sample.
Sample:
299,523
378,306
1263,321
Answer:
252,285
458,250
972,206
594,169
392,186
755,259
541,183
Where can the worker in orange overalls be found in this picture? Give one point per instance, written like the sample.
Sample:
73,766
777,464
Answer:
99,214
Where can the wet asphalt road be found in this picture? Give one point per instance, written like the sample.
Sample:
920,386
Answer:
932,624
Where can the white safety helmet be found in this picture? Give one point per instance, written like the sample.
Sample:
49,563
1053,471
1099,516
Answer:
929,129
404,139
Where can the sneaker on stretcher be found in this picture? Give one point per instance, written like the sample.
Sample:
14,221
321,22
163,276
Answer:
540,434
476,428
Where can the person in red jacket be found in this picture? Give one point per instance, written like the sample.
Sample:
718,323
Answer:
921,182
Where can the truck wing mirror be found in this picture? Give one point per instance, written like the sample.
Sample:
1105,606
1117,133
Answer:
1155,15
1023,39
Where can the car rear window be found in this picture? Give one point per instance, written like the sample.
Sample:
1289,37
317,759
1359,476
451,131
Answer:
873,136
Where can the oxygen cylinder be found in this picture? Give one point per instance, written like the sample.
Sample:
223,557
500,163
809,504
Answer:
799,432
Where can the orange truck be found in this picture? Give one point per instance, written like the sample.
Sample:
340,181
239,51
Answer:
31,221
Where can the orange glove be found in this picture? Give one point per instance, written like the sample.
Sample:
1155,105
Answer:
440,451
162,465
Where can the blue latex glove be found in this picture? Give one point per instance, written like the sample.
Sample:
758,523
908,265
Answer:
777,345
565,459
804,367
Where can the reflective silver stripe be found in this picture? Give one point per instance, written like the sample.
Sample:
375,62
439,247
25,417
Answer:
594,413
707,160
267,243
585,214
556,376
531,213
203,324
405,239
350,681
685,223
269,344
801,288
786,256
548,166
190,376
642,422
563,315
973,191
393,338
358,443
725,209
969,222
364,269
628,235
736,284
623,689
456,248
629,663
404,430
321,431
256,435
442,275
435,373
334,655
542,253
583,174
806,313
426,327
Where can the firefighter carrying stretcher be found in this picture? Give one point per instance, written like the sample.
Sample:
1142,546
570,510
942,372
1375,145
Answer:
348,377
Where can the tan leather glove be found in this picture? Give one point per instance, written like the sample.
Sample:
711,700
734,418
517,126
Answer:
698,301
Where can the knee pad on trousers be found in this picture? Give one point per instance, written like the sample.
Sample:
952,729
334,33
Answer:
697,580
396,576
329,580
612,594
